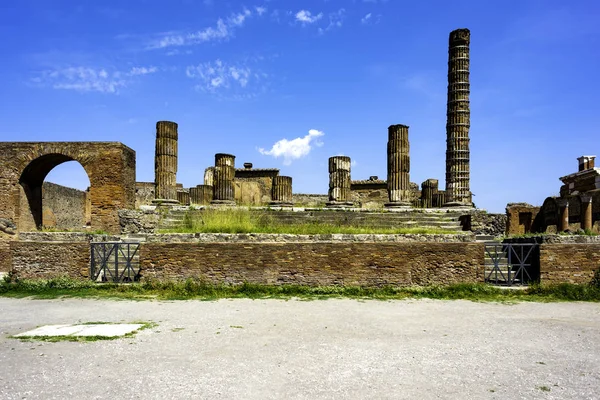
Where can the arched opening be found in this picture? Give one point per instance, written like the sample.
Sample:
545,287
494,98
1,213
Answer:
56,189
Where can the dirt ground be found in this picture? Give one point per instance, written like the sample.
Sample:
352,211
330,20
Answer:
322,349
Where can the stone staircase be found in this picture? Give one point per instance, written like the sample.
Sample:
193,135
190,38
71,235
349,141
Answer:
175,219
504,274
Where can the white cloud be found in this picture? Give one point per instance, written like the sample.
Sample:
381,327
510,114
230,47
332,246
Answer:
142,70
222,30
366,19
306,17
219,75
260,10
336,20
88,79
294,149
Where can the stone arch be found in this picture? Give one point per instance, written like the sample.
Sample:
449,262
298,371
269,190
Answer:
550,212
110,167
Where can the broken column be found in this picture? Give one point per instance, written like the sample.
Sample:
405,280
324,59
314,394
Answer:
429,189
398,166
339,182
165,163
281,191
201,195
209,174
439,199
585,213
458,115
183,197
223,192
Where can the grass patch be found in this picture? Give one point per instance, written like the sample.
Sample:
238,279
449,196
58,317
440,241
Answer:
242,220
198,289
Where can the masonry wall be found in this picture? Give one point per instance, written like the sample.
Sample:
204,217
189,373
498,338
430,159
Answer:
50,259
5,259
63,207
364,264
573,263
144,193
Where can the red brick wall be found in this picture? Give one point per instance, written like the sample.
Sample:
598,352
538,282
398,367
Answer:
365,264
573,263
50,259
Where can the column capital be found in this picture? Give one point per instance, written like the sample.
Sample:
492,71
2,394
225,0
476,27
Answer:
585,197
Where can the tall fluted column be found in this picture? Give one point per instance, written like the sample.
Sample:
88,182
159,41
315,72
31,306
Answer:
429,189
165,162
586,211
398,166
281,191
201,195
458,192
223,179
339,181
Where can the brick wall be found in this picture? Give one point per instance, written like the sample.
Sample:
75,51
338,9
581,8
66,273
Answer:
573,263
50,259
63,207
365,264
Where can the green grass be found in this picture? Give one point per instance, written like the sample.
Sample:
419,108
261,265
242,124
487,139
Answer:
242,220
197,289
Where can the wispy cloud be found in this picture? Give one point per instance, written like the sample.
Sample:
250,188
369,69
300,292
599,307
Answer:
294,149
219,77
89,79
223,29
306,17
336,20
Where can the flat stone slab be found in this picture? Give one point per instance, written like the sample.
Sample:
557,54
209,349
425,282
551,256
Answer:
109,330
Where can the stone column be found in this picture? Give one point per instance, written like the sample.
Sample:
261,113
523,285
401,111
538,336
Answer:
339,182
458,115
201,195
439,199
281,191
562,224
209,176
183,197
398,166
586,211
165,162
223,192
429,189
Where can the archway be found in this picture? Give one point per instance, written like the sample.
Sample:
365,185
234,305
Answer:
110,168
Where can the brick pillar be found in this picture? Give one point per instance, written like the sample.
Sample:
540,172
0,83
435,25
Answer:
339,182
429,189
223,179
165,162
201,195
281,191
563,215
398,166
586,211
458,122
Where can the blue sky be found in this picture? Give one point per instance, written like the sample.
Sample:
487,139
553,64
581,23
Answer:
240,77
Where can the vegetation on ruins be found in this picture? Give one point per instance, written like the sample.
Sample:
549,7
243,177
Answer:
241,220
200,290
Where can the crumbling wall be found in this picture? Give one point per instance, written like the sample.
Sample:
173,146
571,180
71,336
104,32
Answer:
521,219
144,193
483,223
310,200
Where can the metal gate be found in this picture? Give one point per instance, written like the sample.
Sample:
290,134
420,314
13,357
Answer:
511,263
115,262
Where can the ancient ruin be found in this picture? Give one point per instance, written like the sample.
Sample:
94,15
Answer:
224,173
458,192
165,164
282,191
339,181
398,166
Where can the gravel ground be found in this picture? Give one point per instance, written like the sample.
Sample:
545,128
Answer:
324,349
